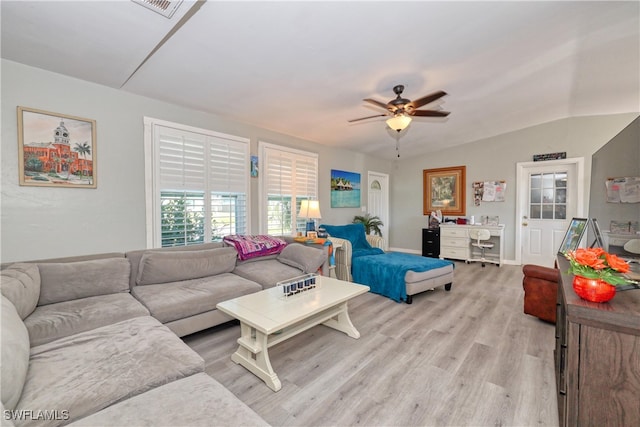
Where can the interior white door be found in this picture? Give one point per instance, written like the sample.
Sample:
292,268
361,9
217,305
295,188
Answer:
378,201
549,196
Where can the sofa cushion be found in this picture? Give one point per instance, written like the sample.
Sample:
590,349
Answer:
306,258
257,259
87,372
20,283
73,280
166,267
267,273
52,321
135,256
178,300
198,400
14,355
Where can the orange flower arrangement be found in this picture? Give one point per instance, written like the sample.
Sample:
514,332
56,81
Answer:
595,263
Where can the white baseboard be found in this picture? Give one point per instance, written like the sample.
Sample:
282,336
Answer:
417,252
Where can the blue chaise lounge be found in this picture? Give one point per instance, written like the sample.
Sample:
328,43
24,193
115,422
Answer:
395,275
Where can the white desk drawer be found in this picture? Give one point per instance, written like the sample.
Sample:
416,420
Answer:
455,253
456,242
453,232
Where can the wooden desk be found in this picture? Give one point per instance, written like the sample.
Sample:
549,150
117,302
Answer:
455,242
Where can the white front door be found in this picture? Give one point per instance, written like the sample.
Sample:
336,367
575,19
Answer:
549,195
378,201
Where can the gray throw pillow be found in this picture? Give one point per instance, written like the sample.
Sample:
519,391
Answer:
20,283
173,266
306,258
66,281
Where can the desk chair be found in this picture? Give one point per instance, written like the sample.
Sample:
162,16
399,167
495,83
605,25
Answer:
481,235
633,246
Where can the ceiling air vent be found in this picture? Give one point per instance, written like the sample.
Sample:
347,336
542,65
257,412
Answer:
165,8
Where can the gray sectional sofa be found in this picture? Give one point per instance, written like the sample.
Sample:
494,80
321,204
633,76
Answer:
94,340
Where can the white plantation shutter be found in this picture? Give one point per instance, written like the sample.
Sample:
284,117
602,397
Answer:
228,177
199,184
181,159
288,176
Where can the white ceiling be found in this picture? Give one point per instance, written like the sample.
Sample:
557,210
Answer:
302,68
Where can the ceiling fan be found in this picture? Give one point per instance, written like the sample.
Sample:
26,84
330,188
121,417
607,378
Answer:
401,109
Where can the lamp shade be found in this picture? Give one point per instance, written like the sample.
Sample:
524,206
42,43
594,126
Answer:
399,122
310,209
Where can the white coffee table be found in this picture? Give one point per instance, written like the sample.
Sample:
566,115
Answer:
264,313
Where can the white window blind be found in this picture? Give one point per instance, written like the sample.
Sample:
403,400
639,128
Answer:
199,184
288,176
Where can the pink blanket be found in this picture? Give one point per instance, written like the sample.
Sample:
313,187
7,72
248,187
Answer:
255,246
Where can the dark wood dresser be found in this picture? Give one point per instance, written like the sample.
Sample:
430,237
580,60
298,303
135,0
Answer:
597,357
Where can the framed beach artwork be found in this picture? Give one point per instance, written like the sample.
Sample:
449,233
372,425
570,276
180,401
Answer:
345,189
444,190
573,235
56,150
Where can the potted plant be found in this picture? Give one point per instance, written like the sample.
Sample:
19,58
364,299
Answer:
371,223
596,273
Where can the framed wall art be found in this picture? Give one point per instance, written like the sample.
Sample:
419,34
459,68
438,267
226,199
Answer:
254,166
573,235
444,189
56,150
345,189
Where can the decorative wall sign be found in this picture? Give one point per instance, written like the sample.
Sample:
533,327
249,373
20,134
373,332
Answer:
444,189
345,189
56,150
549,156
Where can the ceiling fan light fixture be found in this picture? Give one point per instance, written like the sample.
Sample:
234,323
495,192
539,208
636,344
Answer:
399,122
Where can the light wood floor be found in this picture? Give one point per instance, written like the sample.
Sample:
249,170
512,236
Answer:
468,357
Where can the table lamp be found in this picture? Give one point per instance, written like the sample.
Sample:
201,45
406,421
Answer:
310,209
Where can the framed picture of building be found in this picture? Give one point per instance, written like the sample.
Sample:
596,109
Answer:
56,150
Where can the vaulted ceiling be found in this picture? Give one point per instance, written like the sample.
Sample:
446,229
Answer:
303,68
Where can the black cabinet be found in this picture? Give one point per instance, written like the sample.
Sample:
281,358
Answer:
431,242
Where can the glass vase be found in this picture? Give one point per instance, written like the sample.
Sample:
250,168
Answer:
594,290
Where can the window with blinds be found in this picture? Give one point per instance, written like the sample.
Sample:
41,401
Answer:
288,176
199,184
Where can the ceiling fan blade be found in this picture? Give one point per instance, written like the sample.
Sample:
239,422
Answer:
379,104
428,99
429,113
365,118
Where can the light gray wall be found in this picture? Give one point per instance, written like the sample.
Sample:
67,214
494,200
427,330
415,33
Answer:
620,157
494,159
42,222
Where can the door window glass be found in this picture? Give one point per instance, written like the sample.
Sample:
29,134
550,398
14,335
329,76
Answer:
548,195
